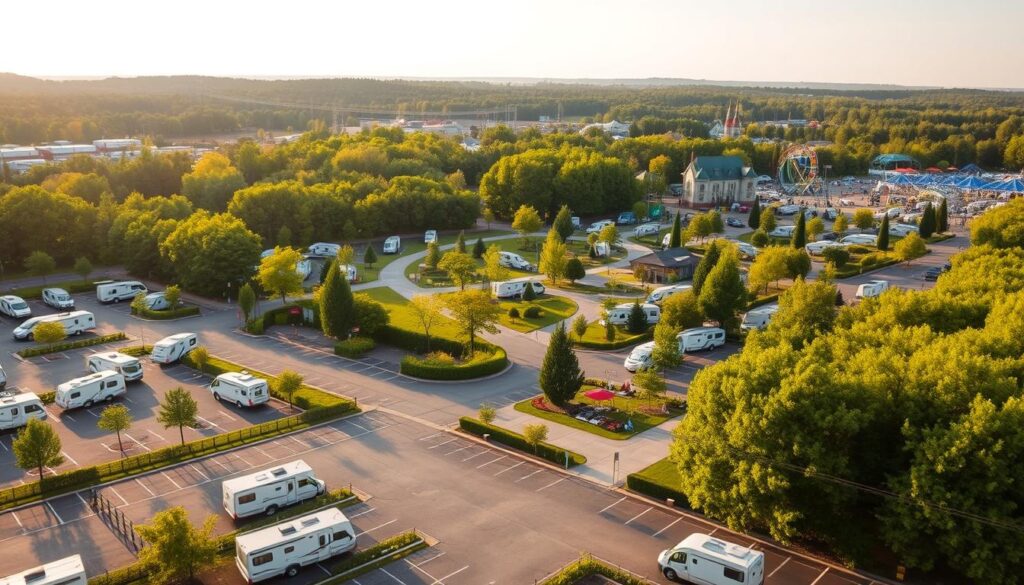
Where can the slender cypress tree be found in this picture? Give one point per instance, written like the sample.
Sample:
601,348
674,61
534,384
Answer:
704,267
479,249
563,223
927,226
942,218
460,242
754,220
337,312
677,233
560,374
882,241
637,321
799,239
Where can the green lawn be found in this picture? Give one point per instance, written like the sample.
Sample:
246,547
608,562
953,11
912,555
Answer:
553,309
439,278
595,334
413,245
662,472
621,406
404,318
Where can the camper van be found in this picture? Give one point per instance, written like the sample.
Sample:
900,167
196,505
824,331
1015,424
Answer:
699,338
661,293
782,231
243,389
758,318
430,237
514,289
700,558
67,571
620,314
126,365
58,298
513,260
103,386
17,409
392,245
860,239
172,348
267,491
284,548
325,249
640,357
74,323
115,292
597,226
787,210
872,288
13,306
647,229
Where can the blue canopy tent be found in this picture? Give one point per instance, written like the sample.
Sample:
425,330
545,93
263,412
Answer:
947,180
1015,185
972,182
900,180
924,180
971,169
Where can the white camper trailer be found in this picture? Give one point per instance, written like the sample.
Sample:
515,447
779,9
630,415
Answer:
172,348
640,357
242,389
349,271
284,548
513,260
267,491
324,249
66,571
126,365
514,289
619,315
392,245
103,386
16,410
872,288
699,338
700,558
115,292
758,318
661,293
74,323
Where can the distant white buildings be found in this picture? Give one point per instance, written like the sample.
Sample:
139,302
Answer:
614,128
21,158
731,127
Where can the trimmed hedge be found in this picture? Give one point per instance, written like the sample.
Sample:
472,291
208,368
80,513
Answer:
355,347
305,397
417,342
648,487
66,345
168,314
417,368
758,301
35,292
588,566
617,344
512,439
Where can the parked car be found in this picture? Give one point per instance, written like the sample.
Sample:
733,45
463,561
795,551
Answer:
782,231
13,306
58,298
647,229
933,273
859,239
830,236
626,218
597,226
733,222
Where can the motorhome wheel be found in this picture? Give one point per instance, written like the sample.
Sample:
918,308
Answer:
271,510
670,574
238,403
88,403
292,571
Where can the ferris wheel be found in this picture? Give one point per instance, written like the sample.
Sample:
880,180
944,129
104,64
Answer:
798,170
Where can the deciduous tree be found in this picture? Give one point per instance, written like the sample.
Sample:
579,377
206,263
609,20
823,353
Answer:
768,221
554,256
460,267
277,274
666,345
246,300
37,446
41,264
178,409
910,247
493,268
49,332
473,312
863,218
574,270
840,225
815,227
288,383
526,221
83,267
114,419
723,294
176,551
681,311
535,434
427,309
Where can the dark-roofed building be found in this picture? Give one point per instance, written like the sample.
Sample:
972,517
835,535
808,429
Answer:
666,266
715,181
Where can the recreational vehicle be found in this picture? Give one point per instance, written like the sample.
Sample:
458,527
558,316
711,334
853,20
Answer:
66,571
647,229
325,249
597,226
782,231
242,389
267,491
640,357
700,558
872,288
430,237
860,239
126,365
74,323
661,293
284,548
13,306
392,245
699,338
513,260
758,318
619,315
115,292
349,271
103,386
17,409
58,298
172,348
818,248
514,289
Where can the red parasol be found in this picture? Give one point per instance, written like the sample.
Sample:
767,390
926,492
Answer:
599,394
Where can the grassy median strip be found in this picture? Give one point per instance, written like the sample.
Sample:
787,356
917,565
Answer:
595,337
643,413
588,566
305,397
66,345
660,480
556,455
384,552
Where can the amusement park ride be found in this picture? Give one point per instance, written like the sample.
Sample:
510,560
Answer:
798,172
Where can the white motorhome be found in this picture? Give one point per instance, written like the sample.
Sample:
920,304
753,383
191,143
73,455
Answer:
326,249
349,271
647,229
782,231
430,236
787,210
58,298
758,318
66,571
860,239
173,347
640,357
700,558
126,365
115,292
74,323
267,491
103,386
699,338
13,306
661,293
392,245
17,409
285,548
242,389
514,289
619,315
513,260
872,288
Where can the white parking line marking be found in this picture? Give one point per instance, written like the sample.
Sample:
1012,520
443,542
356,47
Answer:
4,446
324,569
129,400
667,527
528,476
79,494
430,437
491,461
170,480
385,571
119,495
475,456
457,450
137,442
712,532
66,415
214,460
366,429
262,452
557,481
820,576
301,444
18,520
376,527
440,444
639,515
452,574
69,458
157,436
437,556
60,520
509,468
226,415
363,513
145,488
92,413
199,471
611,505
210,423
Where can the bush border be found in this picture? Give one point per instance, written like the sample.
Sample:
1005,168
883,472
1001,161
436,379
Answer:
68,345
516,441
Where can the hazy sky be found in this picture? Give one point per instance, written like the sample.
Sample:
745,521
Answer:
976,43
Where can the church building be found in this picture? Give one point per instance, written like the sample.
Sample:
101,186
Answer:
715,181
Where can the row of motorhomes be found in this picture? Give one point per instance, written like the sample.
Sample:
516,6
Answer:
690,340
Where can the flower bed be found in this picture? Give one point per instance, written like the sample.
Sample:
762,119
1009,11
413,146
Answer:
624,408
483,364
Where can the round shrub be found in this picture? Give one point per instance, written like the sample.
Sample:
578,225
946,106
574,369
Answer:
759,239
837,256
513,313
532,312
858,249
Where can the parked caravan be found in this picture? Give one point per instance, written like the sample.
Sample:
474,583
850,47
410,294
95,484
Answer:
782,231
115,292
597,226
284,548
640,357
74,323
58,298
325,249
700,338
860,239
902,230
700,558
349,271
17,409
758,318
787,210
619,315
513,260
647,229
392,245
430,237
892,212
661,293
577,223
172,348
103,386
13,306
66,571
872,288
818,248
514,289
126,365
267,491
242,389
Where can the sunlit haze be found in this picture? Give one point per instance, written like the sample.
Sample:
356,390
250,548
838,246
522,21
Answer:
931,43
